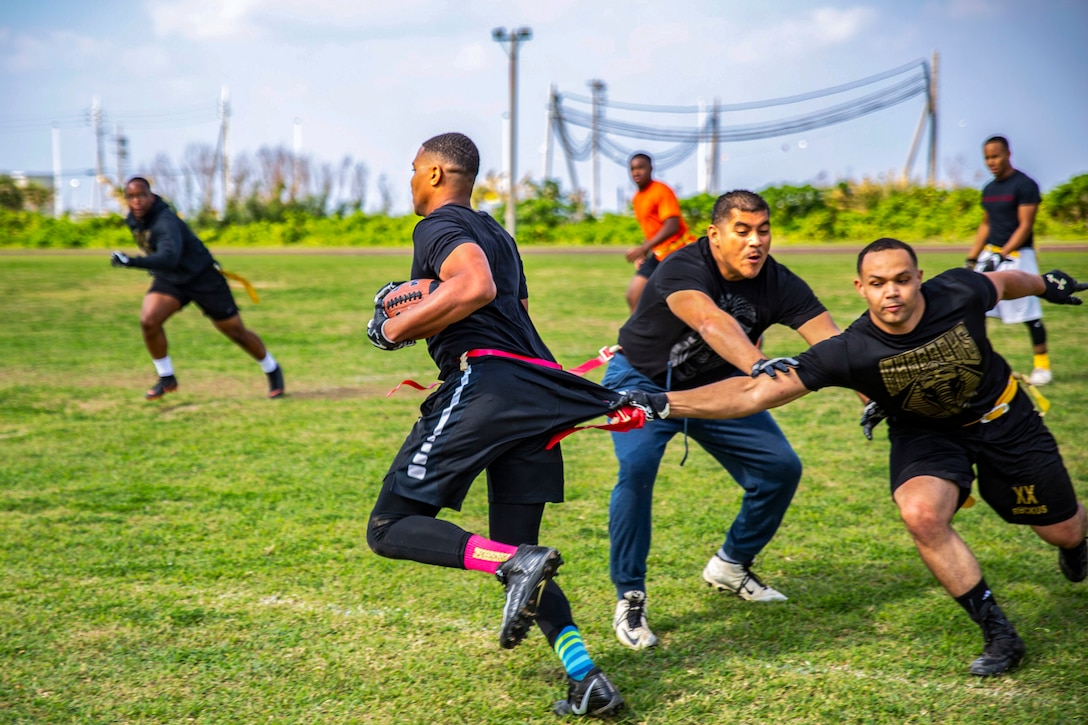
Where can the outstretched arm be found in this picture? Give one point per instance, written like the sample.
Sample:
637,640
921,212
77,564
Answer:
1054,286
736,397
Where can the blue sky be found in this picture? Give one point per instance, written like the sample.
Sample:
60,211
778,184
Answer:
372,80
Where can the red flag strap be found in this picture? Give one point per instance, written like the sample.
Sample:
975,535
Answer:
605,354
412,384
621,421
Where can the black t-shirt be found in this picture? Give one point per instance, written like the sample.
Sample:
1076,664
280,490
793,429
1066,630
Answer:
653,337
943,374
501,324
1002,201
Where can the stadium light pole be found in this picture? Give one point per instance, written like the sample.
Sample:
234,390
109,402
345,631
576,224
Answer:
514,37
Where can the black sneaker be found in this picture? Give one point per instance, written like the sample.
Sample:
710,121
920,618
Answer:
524,575
275,383
1004,648
1074,562
166,384
594,696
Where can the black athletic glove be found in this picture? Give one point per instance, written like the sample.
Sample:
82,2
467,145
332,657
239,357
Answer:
992,263
388,287
376,334
119,259
374,328
970,263
1060,288
870,417
774,366
654,405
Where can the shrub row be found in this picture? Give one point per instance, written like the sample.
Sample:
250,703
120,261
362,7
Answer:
845,212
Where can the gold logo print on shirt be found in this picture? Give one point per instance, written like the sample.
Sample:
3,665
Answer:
939,377
143,240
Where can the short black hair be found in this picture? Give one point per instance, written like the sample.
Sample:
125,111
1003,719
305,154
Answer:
741,200
885,244
997,139
641,155
458,151
139,179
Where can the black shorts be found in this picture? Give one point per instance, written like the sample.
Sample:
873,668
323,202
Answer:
1020,470
208,289
647,267
498,416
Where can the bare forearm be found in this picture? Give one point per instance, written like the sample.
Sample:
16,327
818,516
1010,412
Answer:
981,236
1014,284
1016,240
735,397
668,230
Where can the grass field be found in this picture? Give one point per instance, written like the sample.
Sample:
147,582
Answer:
202,559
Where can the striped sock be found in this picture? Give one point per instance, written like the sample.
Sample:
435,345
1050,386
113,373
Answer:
571,649
485,555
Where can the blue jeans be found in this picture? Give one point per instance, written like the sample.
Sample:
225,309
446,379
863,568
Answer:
753,450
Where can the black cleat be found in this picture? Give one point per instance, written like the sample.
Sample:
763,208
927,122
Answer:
524,575
275,383
1074,562
1004,648
594,696
166,384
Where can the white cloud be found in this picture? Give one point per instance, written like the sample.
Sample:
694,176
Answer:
470,58
820,28
203,19
247,19
969,8
54,50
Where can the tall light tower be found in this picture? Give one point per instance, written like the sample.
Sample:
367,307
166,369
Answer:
514,37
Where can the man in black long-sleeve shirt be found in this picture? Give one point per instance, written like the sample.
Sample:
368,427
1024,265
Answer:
184,271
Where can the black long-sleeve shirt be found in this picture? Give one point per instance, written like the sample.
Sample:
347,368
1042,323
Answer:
174,252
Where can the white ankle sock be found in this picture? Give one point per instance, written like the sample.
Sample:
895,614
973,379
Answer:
269,363
163,366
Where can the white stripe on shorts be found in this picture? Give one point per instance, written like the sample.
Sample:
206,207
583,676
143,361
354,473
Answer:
417,469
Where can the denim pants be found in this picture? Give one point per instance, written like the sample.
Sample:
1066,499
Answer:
753,450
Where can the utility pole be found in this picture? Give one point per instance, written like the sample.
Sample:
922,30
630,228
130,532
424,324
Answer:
597,86
58,179
99,134
224,150
296,166
549,130
121,142
932,171
514,36
715,152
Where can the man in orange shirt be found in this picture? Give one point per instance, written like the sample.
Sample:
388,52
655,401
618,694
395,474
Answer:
658,213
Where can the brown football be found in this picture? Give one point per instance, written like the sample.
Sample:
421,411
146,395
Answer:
408,295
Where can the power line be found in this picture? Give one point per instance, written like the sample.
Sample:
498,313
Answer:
686,139
769,103
174,118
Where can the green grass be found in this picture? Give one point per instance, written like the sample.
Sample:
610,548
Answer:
202,559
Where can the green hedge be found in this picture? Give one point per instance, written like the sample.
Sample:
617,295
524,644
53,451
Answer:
806,214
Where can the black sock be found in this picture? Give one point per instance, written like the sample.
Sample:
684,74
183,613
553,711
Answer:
974,600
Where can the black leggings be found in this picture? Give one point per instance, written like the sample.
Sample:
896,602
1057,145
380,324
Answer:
1038,332
401,528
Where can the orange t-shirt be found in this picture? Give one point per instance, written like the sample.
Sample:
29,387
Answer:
653,205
